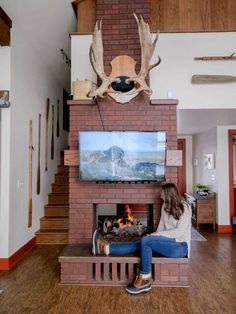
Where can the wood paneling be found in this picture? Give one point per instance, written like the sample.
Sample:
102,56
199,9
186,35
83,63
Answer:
5,26
193,16
86,16
4,33
172,15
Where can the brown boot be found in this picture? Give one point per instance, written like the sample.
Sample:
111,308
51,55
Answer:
140,285
100,246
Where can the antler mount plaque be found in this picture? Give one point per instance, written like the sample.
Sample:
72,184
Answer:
123,83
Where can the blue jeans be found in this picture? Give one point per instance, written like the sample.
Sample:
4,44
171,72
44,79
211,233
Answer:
164,246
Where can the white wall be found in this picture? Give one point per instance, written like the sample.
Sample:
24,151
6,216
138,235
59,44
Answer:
5,182
223,174
4,153
4,68
205,143
214,141
189,162
80,65
177,67
31,82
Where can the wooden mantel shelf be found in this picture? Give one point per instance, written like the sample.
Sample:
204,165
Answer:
153,102
84,102
164,102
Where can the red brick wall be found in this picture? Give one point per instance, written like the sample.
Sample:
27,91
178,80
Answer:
119,28
138,115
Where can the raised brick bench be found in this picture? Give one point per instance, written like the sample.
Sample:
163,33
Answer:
79,266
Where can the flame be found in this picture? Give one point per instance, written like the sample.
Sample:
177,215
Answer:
128,220
129,213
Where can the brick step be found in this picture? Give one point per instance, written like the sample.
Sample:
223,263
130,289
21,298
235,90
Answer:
54,223
60,188
61,179
117,270
56,211
63,170
58,198
52,236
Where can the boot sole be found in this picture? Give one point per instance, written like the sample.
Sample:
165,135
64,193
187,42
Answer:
140,291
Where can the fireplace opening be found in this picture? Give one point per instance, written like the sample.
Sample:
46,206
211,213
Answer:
123,220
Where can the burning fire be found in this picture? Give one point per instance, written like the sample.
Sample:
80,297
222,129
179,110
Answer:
128,221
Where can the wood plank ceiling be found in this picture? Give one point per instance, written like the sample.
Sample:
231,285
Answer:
173,15
193,16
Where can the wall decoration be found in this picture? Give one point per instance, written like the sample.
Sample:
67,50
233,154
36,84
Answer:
209,161
174,158
4,99
39,147
199,79
58,115
52,137
30,202
123,79
46,136
216,58
81,89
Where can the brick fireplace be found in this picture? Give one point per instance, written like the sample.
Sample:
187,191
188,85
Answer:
120,36
138,115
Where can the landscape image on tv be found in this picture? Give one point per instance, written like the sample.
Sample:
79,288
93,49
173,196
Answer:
122,156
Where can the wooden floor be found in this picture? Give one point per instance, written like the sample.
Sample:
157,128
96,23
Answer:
33,286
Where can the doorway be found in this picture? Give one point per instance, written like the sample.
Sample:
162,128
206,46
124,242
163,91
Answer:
232,173
181,171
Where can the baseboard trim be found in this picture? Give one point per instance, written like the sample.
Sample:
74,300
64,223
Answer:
8,263
224,228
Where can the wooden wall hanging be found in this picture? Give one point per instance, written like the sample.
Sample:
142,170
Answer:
52,137
30,202
39,148
46,136
124,83
4,99
81,89
58,117
201,78
217,58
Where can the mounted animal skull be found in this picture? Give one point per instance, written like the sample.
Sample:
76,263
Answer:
131,85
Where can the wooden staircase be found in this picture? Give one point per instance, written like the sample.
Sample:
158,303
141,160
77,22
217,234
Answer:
55,223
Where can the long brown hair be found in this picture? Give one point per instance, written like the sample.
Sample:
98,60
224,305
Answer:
173,204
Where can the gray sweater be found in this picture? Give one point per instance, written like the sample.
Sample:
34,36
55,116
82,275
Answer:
178,229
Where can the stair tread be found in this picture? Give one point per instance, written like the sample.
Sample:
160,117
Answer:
57,205
62,194
52,231
54,218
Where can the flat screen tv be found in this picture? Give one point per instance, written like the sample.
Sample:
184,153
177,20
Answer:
122,156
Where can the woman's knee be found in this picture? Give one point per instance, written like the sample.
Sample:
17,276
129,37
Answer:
145,240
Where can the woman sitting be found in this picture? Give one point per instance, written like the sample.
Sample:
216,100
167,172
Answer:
171,239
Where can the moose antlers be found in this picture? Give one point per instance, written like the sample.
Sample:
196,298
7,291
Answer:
147,50
96,58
